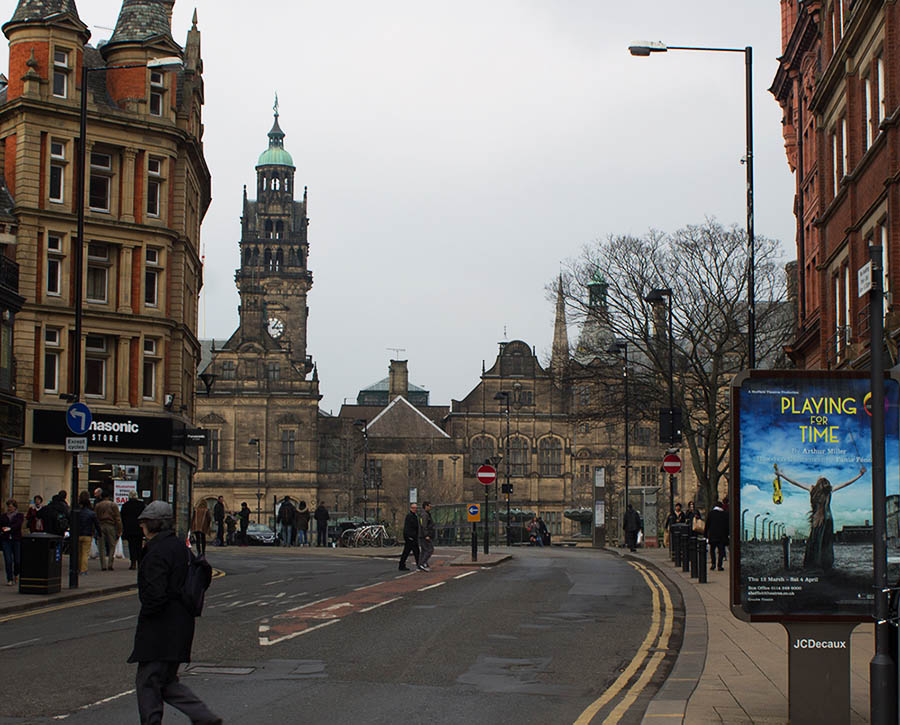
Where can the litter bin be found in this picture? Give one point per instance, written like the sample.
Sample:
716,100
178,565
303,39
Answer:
41,568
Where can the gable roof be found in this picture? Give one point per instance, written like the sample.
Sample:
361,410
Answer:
403,418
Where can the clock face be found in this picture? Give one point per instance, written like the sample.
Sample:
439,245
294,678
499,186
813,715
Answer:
276,327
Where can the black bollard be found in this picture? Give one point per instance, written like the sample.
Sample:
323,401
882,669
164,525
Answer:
676,544
692,551
474,543
685,552
701,560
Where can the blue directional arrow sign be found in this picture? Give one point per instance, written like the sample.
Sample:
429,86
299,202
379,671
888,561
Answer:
474,508
78,418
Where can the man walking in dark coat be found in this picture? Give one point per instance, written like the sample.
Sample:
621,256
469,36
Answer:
410,537
165,628
717,535
219,518
426,533
321,516
244,518
632,524
131,527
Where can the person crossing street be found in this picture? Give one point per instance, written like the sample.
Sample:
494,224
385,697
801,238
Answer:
410,537
426,536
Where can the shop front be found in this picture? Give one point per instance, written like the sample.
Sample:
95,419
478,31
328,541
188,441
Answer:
127,453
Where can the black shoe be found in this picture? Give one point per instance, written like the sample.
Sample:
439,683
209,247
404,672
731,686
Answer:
721,568
404,568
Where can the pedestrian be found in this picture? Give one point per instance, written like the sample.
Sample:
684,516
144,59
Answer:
11,540
426,536
219,517
244,517
110,521
631,522
716,532
285,520
230,525
534,533
165,627
34,522
55,515
410,537
131,527
674,517
321,516
301,522
201,525
88,528
543,531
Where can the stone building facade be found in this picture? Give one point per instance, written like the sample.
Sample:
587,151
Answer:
838,83
146,193
260,385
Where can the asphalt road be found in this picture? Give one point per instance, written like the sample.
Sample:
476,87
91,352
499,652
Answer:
323,637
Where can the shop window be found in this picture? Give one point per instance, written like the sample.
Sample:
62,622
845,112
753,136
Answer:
157,92
57,171
154,185
288,450
54,264
97,273
99,186
61,72
95,366
550,457
211,451
480,450
51,360
152,274
518,456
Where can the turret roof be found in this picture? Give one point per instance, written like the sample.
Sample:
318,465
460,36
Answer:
143,19
40,9
275,155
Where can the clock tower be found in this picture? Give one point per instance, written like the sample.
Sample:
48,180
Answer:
273,279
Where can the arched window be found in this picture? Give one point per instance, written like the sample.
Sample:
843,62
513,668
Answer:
267,259
550,456
279,229
247,254
268,228
275,184
480,449
255,256
287,183
279,259
265,183
518,456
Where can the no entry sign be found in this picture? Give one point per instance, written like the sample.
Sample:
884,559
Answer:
672,463
486,474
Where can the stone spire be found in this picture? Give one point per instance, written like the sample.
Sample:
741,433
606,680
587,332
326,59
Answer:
559,360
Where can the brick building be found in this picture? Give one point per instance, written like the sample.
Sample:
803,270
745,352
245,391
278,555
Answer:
837,83
147,190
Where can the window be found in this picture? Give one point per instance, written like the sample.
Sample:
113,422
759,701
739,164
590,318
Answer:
418,470
868,84
211,451
553,520
518,456
228,371
154,184
60,72
273,372
51,360
584,473
584,396
151,365
550,457
151,277
440,470
373,480
95,366
480,450
845,160
835,165
97,273
288,441
881,105
524,397
642,436
57,171
98,190
54,264
649,476
157,92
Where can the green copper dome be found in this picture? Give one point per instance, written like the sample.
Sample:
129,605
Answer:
275,155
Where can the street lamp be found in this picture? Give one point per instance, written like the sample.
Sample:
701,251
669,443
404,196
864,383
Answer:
503,395
743,526
255,441
655,297
78,260
365,477
617,347
645,48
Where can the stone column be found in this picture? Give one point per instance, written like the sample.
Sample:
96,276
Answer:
125,272
128,157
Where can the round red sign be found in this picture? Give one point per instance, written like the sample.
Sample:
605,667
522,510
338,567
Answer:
672,463
486,474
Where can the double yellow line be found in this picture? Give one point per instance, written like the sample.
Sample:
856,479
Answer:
649,655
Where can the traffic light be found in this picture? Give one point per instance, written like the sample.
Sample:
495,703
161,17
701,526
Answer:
670,425
506,488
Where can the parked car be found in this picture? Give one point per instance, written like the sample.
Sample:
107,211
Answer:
261,535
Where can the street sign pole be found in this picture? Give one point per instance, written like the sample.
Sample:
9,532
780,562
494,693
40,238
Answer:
78,420
487,546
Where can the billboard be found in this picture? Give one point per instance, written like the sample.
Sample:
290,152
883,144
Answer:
802,494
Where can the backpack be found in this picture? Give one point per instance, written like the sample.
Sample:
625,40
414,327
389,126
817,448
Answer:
196,582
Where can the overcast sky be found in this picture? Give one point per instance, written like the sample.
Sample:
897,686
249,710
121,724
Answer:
456,152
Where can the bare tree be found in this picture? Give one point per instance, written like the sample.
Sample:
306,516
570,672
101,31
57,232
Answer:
705,267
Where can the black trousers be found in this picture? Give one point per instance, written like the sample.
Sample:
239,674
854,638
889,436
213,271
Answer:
631,539
717,554
410,546
135,547
220,532
200,538
322,536
156,683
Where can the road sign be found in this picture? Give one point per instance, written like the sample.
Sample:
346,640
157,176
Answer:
78,418
672,463
864,279
474,512
76,445
486,474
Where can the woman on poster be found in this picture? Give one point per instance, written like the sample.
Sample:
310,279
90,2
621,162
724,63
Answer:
820,544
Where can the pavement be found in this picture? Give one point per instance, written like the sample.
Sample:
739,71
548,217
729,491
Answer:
730,671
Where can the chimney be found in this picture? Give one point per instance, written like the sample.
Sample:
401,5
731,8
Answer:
398,380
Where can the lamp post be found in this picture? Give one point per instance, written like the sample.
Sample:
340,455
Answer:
615,348
503,395
655,297
255,441
743,526
78,273
365,477
645,48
